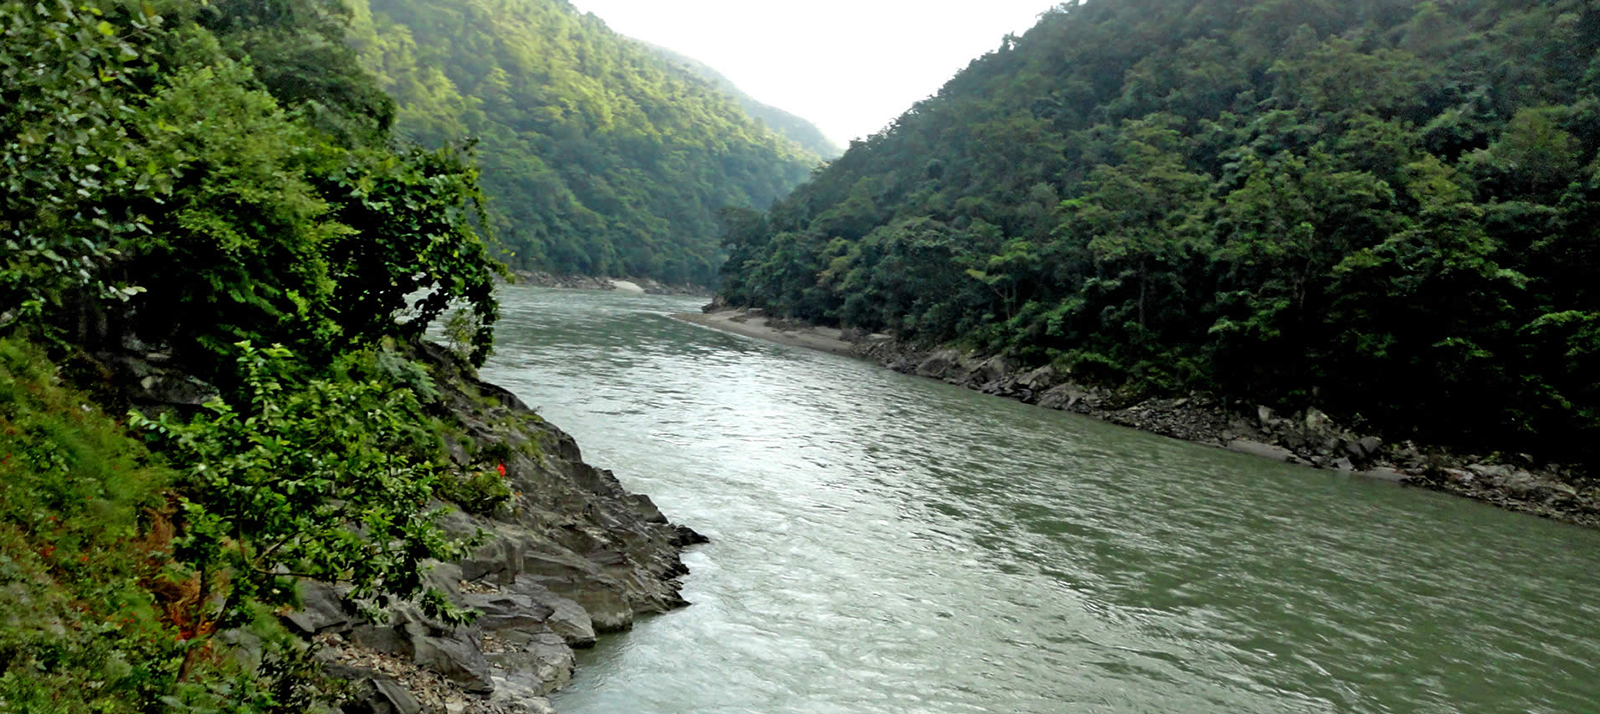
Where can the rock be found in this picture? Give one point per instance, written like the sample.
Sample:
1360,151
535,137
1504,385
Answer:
381,696
445,577
994,370
1458,476
539,667
567,618
940,365
395,636
684,536
507,611
1256,448
1524,485
1062,396
321,609
1345,465
499,555
1385,474
648,508
456,657
1364,449
1039,380
1265,417
514,696
1316,421
1495,473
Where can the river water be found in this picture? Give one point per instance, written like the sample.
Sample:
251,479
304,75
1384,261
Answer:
885,544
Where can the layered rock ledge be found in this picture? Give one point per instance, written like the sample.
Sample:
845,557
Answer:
572,555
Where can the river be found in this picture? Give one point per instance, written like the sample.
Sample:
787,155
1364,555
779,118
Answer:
886,544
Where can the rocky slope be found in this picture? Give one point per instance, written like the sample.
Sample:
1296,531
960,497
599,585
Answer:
572,555
1515,482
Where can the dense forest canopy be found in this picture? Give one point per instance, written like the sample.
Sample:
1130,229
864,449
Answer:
1389,209
599,157
204,198
797,129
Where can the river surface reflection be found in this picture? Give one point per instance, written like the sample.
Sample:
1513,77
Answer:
889,544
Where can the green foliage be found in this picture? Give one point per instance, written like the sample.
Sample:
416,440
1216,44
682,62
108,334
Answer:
152,153
600,157
81,631
205,176
97,602
1384,207
326,479
481,491
68,74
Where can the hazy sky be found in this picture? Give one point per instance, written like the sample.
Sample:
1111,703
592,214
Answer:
849,66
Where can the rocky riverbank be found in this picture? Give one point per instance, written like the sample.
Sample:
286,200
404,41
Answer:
570,556
589,282
1309,437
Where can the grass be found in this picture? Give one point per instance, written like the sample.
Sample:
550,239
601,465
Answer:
84,548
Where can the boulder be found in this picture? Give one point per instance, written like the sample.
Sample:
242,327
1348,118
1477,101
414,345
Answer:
380,696
515,695
507,611
1316,421
1494,473
458,658
540,666
1386,474
1256,448
567,618
1062,396
1524,485
1364,449
940,365
322,609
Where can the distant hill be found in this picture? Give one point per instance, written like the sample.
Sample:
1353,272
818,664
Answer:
599,157
800,131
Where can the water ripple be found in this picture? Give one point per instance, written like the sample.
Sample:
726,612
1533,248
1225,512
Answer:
890,544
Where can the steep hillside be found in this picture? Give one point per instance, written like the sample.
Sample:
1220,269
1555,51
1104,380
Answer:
1387,209
222,457
797,129
598,157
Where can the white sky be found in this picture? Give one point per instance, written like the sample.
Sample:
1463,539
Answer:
848,66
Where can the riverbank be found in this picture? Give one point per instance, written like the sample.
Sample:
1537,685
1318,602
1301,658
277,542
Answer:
1309,438
570,555
590,282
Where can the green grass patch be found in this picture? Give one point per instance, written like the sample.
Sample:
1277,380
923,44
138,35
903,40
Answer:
82,545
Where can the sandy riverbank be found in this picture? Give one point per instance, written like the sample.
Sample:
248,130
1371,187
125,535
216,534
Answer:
826,339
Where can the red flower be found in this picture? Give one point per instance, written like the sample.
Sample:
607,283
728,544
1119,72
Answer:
502,469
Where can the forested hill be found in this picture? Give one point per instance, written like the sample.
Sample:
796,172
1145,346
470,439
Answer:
797,129
598,157
1387,209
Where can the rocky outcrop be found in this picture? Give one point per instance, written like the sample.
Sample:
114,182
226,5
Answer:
1308,437
572,554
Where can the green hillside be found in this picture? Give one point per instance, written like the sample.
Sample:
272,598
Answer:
204,215
598,157
1387,209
